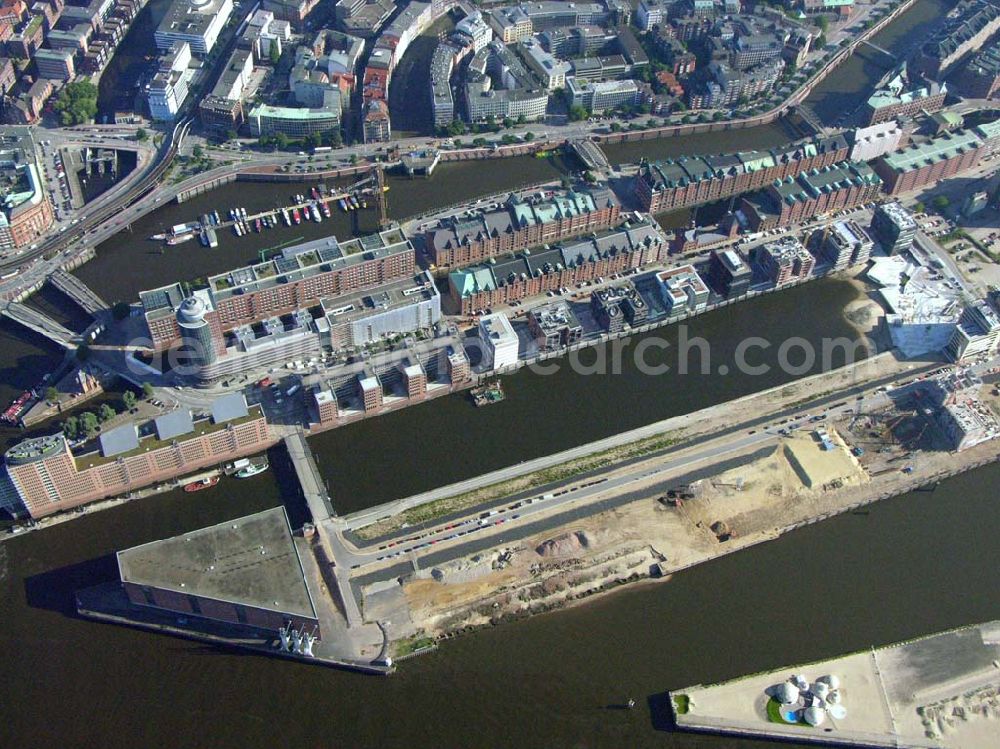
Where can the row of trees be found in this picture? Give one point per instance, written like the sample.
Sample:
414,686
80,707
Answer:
281,141
87,423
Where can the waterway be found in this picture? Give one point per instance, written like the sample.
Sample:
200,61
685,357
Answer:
912,566
449,439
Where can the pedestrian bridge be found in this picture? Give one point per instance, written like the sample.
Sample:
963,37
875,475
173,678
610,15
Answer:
590,154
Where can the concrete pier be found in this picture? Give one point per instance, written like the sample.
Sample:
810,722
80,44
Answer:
937,691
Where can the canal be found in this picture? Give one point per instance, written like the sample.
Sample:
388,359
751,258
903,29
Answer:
905,568
908,567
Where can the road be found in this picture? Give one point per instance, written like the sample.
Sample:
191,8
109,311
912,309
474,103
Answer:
538,503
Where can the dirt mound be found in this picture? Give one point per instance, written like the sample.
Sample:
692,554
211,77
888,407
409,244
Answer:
568,543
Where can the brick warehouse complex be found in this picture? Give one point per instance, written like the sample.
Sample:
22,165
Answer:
297,279
637,242
679,183
923,164
245,571
49,477
520,223
794,200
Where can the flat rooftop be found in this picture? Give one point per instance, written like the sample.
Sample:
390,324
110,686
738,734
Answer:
251,560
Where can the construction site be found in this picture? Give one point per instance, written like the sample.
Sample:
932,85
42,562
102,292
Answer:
651,516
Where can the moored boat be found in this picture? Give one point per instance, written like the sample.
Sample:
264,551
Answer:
251,470
205,483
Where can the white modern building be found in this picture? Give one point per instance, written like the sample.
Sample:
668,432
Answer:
651,13
977,332
499,339
168,88
682,289
197,22
474,30
876,140
600,96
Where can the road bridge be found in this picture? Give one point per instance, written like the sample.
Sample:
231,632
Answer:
39,323
78,291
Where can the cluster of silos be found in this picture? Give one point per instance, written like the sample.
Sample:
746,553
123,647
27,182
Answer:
811,702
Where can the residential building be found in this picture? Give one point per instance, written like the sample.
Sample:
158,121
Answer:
499,340
977,333
784,260
893,227
554,326
376,122
615,305
683,290
846,244
729,273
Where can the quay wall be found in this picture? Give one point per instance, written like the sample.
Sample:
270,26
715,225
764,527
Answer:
764,118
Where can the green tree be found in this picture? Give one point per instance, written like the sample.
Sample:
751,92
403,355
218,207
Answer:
197,151
941,203
71,427
920,208
147,390
281,141
333,138
129,400
141,134
106,412
274,54
578,113
77,102
88,423
529,136
120,310
312,140
232,135
51,393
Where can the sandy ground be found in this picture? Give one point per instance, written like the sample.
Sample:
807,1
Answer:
647,538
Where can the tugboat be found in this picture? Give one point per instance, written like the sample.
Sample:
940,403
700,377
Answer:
206,483
251,470
488,394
